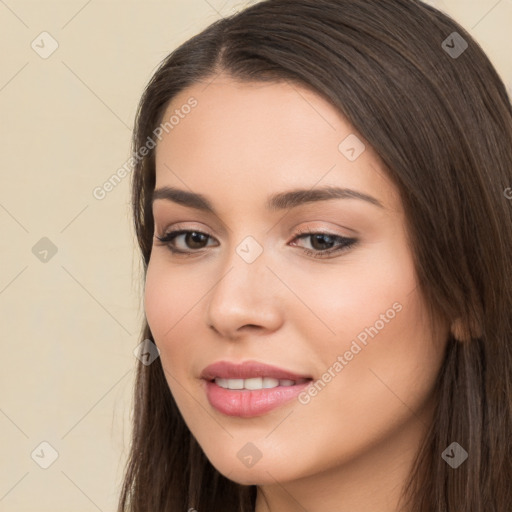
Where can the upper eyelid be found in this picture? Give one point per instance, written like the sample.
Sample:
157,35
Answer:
299,231
223,229
298,234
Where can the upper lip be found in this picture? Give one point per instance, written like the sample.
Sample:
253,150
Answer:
247,370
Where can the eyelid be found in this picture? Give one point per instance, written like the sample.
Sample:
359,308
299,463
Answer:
308,229
180,226
345,243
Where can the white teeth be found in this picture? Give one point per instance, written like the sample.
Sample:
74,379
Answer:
254,383
223,383
269,382
235,383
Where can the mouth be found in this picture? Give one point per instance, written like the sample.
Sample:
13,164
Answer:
249,371
256,383
250,389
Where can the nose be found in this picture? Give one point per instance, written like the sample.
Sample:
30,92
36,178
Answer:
245,298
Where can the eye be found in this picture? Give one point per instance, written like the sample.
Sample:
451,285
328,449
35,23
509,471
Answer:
319,240
194,240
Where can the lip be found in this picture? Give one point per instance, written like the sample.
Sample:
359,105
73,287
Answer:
246,403
247,370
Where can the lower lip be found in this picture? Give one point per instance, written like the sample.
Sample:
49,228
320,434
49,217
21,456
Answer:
246,403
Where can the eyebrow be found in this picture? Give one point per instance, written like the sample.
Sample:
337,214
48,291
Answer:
275,202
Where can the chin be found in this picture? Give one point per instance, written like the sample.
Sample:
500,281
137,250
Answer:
261,473
251,476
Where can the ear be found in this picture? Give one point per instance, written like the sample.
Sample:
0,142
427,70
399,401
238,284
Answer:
465,331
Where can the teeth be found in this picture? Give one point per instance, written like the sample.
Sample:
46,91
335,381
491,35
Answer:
235,383
269,382
255,383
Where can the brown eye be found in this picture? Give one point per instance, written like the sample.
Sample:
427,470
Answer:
323,244
319,241
192,240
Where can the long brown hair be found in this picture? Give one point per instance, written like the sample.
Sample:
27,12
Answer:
441,122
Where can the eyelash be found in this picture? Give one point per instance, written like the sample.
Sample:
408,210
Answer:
344,242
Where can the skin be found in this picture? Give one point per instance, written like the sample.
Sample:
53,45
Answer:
351,447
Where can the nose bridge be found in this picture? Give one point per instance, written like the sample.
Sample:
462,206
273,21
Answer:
243,294
244,267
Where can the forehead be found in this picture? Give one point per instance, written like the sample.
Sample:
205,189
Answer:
262,135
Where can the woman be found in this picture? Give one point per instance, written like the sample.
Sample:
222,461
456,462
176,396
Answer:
319,201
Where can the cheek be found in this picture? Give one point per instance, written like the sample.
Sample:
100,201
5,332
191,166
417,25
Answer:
173,302
362,290
158,299
169,296
168,303
374,317
388,356
376,388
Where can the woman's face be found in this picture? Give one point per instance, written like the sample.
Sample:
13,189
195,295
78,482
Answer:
250,285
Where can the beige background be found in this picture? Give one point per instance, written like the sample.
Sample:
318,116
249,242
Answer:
70,323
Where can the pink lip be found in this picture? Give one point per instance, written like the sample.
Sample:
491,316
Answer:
246,370
247,403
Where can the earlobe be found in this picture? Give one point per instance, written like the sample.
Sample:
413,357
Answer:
458,331
465,331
